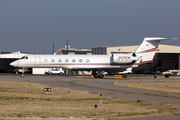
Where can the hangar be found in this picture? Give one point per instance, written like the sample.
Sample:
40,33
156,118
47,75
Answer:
166,57
7,57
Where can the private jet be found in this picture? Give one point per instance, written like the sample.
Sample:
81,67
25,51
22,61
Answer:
110,63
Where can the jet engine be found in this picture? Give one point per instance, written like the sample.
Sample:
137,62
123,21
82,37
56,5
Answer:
123,58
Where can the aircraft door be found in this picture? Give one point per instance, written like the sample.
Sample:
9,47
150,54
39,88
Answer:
37,61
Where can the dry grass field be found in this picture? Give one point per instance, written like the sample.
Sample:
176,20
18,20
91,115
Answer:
166,86
20,101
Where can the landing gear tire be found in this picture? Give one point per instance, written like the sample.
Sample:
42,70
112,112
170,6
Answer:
22,75
96,76
101,76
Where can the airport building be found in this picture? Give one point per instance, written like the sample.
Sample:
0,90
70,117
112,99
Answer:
166,57
72,51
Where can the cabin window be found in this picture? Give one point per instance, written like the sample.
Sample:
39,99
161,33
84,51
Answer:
66,60
87,60
52,60
80,60
73,60
45,60
60,60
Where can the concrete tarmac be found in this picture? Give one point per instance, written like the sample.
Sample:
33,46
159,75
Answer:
102,86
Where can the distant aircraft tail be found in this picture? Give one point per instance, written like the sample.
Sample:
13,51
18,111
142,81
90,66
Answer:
148,49
59,52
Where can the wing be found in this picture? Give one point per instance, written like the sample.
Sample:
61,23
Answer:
109,69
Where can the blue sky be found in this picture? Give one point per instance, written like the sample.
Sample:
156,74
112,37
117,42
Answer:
33,25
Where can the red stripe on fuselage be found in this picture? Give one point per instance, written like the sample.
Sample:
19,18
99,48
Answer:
106,64
88,64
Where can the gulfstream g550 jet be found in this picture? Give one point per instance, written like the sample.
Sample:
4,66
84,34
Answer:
110,63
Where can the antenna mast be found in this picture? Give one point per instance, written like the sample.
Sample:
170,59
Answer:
67,45
53,47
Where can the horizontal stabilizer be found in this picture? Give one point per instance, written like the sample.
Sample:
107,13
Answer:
157,39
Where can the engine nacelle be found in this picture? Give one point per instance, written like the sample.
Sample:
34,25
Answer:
123,58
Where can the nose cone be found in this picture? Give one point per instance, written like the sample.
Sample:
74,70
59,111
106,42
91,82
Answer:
13,64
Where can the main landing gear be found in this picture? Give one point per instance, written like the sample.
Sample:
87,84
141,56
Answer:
22,75
97,74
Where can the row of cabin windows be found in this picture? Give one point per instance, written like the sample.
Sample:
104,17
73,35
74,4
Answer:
66,60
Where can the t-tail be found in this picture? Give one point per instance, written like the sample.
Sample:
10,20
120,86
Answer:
148,49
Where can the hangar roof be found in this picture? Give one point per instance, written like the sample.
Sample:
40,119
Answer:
15,55
162,48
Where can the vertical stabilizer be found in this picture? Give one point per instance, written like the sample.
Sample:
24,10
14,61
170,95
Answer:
148,49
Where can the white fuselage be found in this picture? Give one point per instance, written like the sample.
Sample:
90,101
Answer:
82,62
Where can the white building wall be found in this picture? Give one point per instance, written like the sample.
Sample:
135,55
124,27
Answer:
13,55
121,49
40,70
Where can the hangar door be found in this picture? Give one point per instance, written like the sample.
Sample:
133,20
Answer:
37,61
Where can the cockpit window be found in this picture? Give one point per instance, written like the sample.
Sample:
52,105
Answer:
24,57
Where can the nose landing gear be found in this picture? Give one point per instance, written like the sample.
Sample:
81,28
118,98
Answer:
22,75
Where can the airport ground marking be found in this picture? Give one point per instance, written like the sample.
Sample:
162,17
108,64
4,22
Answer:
95,110
68,94
18,83
47,90
138,103
100,98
